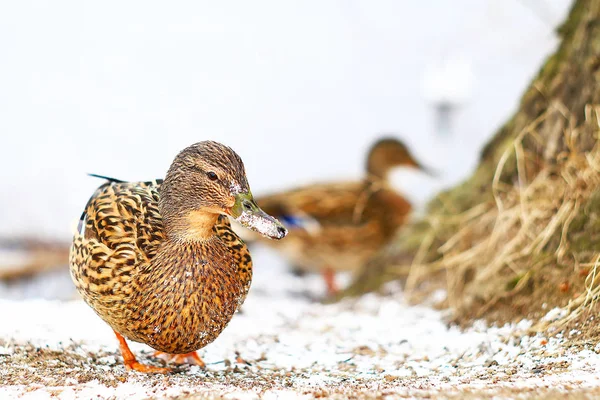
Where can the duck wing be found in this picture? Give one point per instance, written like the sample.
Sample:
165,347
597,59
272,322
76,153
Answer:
120,230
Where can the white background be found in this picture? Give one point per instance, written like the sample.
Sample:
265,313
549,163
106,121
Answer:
298,88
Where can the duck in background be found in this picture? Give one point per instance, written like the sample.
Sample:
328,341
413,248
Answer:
339,226
159,262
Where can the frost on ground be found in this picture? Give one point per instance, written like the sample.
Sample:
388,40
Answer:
294,348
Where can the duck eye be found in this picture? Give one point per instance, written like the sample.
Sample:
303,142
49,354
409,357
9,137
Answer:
212,176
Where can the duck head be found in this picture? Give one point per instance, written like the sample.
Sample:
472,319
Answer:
387,153
208,179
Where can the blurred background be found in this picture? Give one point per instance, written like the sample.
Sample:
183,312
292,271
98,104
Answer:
299,89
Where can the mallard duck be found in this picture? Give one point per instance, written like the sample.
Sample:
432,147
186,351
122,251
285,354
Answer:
338,226
159,262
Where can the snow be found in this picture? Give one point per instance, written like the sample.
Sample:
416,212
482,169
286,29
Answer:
296,346
555,314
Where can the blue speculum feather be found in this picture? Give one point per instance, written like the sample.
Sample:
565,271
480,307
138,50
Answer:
292,221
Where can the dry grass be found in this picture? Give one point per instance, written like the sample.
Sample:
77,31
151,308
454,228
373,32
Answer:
520,243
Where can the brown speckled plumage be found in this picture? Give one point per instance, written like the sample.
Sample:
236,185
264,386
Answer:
145,274
344,223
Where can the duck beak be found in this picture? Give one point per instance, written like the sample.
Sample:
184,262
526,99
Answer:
428,171
248,213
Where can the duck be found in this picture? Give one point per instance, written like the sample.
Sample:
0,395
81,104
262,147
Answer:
158,260
338,226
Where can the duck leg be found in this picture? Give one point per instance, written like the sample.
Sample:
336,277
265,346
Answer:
188,358
329,276
132,364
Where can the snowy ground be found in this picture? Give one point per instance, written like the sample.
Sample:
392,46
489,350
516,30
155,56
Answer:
365,348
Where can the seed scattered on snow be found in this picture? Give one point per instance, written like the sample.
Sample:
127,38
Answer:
295,348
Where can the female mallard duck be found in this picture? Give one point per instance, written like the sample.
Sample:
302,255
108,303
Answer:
338,226
159,262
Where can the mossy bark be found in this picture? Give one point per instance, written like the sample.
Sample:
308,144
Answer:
560,97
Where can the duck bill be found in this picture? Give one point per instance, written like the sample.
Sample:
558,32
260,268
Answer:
248,213
432,173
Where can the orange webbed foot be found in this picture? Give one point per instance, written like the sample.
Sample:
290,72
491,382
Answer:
132,364
188,358
147,369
